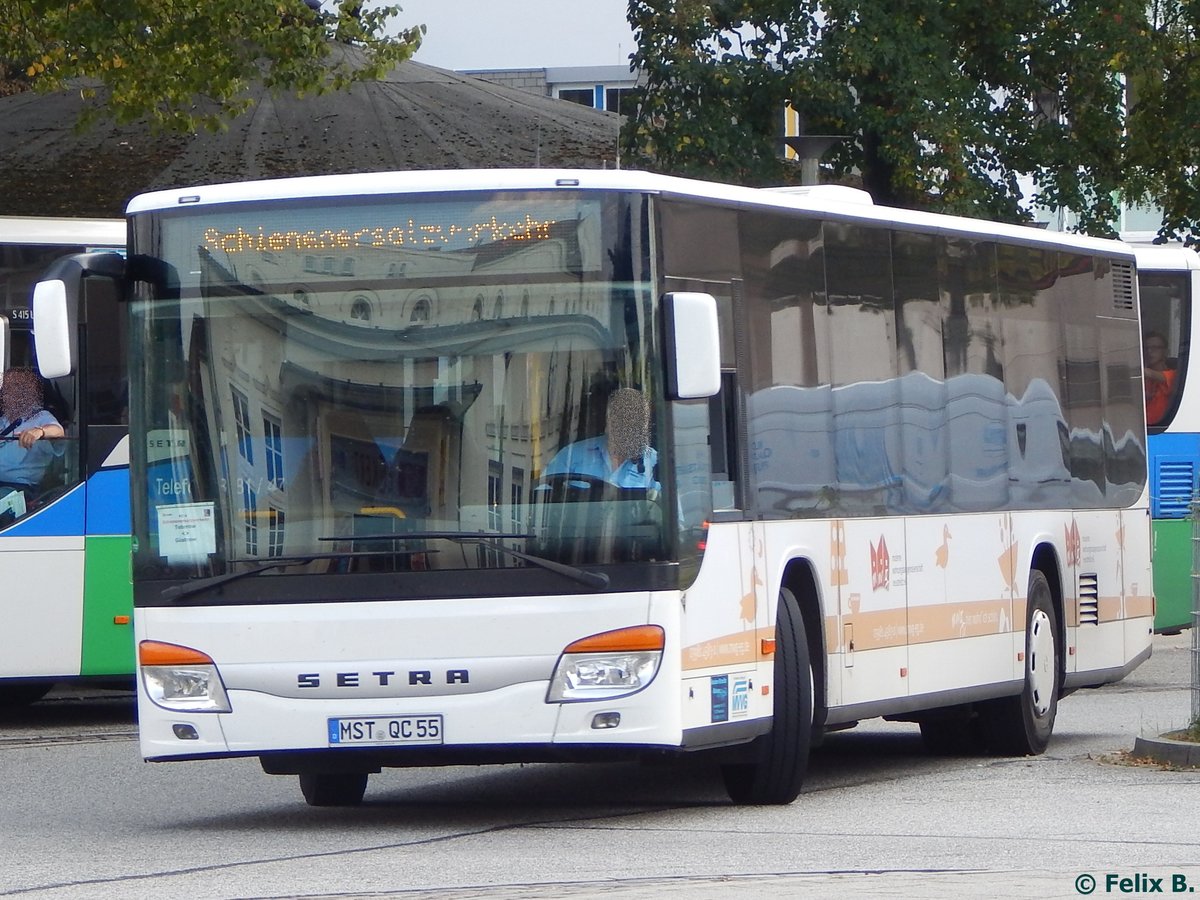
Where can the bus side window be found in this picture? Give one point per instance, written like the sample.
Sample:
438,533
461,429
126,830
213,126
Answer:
722,430
107,383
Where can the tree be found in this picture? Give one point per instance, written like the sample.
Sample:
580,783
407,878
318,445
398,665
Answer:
942,104
184,64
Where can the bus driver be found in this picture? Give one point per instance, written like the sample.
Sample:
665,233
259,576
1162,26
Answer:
622,455
24,422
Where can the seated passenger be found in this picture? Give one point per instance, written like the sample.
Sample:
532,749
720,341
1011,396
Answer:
622,455
1159,377
24,422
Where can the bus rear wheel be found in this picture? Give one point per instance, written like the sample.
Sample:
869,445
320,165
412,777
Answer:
1022,725
776,773
16,695
333,788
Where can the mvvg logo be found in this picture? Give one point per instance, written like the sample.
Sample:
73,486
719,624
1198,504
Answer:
739,703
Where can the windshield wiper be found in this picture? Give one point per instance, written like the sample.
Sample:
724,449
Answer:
187,589
595,580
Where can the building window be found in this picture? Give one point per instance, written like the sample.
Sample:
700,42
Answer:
495,489
275,520
273,434
517,493
360,309
250,511
420,311
621,100
582,96
241,416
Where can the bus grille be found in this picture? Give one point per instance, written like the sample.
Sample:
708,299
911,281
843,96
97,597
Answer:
1175,482
1123,286
1089,599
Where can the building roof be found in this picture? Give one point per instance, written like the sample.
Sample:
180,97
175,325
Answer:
418,117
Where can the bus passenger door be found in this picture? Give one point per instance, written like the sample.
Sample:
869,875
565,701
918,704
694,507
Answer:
867,567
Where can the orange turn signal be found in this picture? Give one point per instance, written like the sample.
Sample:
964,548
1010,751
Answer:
637,637
156,653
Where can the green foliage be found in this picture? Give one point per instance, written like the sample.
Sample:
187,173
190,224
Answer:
941,104
184,64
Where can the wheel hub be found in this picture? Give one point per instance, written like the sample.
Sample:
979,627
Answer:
1040,671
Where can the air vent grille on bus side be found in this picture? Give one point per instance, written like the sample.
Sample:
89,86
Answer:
1089,599
1123,286
1173,488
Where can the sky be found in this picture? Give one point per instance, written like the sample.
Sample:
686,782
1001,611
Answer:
516,34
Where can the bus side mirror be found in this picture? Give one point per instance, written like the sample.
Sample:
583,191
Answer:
54,329
3,344
56,300
692,345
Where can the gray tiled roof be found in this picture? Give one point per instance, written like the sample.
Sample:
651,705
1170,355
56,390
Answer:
418,117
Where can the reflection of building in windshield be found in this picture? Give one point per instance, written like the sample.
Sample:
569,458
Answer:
393,389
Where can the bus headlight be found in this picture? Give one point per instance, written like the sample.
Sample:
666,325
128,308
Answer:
607,665
181,679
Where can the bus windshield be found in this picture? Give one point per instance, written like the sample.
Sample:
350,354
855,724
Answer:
407,385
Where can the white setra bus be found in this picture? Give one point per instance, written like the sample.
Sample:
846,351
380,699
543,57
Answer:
866,462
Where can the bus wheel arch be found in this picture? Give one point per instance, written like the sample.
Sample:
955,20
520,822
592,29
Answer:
1021,725
1045,560
800,579
773,772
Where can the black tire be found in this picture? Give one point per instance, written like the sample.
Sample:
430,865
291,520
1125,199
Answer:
14,696
333,788
781,757
953,732
1022,725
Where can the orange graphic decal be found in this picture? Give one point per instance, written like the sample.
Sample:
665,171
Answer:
839,574
749,603
1008,557
942,554
881,566
1121,555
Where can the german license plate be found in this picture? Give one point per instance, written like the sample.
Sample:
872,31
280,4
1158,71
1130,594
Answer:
375,730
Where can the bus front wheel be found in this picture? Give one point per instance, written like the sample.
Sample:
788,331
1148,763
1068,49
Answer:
776,773
1022,725
333,788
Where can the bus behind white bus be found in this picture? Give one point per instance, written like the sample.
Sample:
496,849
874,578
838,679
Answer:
67,529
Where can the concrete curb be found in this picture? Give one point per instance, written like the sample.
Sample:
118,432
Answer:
1164,749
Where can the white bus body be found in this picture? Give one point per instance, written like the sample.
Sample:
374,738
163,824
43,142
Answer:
920,491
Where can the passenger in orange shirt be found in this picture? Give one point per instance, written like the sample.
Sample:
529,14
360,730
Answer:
1158,377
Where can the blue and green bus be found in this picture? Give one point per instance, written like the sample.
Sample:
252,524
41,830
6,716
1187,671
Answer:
1169,285
67,537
